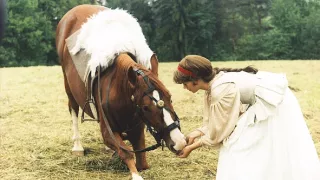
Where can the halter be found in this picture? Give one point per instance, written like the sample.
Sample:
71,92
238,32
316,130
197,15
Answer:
157,135
160,104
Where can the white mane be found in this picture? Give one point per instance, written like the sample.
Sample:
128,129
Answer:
109,33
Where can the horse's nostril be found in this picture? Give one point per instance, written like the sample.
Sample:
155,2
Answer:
171,147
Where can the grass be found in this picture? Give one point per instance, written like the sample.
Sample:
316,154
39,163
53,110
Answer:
35,125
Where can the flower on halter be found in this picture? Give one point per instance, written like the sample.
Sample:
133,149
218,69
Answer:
186,72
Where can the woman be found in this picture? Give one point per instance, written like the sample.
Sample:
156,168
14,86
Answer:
255,120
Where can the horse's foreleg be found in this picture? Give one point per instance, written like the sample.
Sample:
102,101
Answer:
137,139
77,146
125,156
128,158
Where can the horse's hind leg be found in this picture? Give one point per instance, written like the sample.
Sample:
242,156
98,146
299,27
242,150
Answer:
77,146
74,111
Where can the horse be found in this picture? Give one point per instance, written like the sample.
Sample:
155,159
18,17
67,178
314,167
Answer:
128,96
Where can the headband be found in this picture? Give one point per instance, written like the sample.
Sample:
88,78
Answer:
186,72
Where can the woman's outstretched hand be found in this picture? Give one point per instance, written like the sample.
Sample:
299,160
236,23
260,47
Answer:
192,136
185,152
190,140
191,144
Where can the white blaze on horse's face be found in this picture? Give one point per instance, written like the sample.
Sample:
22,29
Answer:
177,137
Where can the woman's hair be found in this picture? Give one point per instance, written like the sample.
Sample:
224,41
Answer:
194,67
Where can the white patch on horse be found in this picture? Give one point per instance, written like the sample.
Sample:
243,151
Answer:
177,137
156,95
109,33
136,176
77,146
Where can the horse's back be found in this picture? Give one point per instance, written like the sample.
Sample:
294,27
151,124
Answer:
72,21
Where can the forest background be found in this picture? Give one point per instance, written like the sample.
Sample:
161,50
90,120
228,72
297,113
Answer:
217,29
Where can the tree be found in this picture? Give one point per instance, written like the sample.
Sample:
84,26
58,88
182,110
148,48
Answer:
298,19
3,9
25,37
171,18
30,35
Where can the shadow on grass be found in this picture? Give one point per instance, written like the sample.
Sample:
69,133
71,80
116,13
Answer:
104,160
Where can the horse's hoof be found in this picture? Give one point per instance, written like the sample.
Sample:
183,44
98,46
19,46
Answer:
78,153
136,176
142,168
107,150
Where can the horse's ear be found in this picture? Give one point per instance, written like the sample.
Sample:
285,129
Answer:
154,64
132,77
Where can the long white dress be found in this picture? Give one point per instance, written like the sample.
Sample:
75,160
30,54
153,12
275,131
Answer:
269,141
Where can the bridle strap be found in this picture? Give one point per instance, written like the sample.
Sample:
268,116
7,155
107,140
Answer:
145,78
176,123
172,126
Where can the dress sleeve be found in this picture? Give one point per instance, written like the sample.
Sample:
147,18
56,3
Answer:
204,127
224,113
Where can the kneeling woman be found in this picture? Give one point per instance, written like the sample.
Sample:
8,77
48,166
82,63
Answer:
255,120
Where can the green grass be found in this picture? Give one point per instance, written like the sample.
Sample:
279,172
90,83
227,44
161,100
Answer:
35,125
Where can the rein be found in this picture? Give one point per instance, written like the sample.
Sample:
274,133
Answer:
151,130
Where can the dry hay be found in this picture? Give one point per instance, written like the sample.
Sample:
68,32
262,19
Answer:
35,126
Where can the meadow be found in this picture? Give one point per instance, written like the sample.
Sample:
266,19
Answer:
35,125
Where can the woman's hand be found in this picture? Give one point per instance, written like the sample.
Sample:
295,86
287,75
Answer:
185,152
192,136
190,140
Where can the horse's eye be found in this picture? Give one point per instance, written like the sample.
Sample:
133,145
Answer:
170,101
145,108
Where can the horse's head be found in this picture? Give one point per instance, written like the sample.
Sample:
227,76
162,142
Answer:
154,106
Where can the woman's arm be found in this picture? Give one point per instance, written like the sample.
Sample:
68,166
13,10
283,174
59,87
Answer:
193,135
225,109
188,149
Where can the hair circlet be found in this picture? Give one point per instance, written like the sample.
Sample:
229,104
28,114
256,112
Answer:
185,72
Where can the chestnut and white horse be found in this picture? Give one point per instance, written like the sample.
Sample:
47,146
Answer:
126,90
